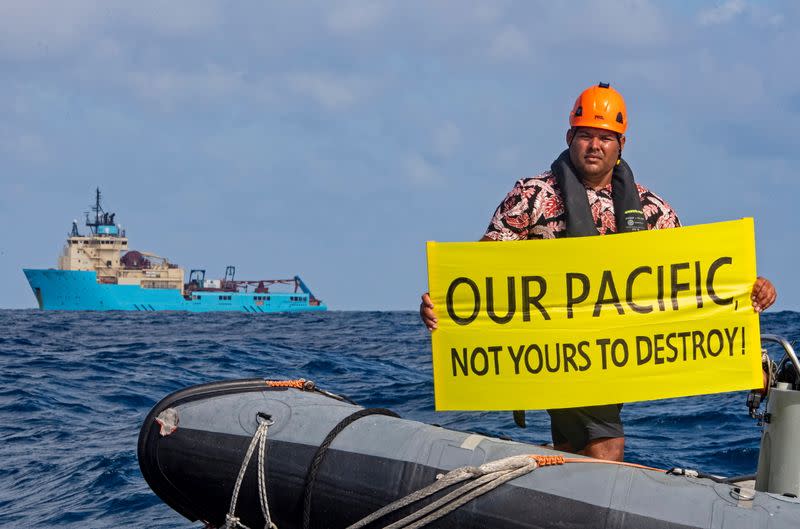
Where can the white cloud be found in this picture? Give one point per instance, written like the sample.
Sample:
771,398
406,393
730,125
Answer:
488,12
421,172
722,13
173,18
106,50
446,139
332,91
510,44
23,146
356,16
36,29
170,88
630,23
509,156
763,16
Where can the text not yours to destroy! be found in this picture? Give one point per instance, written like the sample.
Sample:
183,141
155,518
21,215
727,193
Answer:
603,353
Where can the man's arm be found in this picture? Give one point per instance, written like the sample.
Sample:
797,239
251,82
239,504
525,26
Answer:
426,311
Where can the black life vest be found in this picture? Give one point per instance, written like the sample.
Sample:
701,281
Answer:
627,204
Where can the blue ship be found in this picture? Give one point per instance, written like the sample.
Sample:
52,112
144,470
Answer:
97,271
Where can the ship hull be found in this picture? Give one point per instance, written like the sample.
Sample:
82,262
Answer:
79,290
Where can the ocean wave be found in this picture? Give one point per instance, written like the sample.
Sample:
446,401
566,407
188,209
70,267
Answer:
74,388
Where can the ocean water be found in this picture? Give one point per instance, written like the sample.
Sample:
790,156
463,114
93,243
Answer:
75,387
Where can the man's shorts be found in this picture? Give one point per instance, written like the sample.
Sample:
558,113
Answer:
578,426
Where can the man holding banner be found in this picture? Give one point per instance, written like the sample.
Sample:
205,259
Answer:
589,190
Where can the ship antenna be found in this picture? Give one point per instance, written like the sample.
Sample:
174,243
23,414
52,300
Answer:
97,208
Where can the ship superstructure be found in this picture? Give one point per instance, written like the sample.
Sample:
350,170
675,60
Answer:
101,251
97,271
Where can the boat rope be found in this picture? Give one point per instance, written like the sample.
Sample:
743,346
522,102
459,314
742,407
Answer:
316,462
486,477
259,440
305,385
300,383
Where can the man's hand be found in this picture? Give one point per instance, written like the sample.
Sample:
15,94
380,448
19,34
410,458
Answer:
763,294
427,313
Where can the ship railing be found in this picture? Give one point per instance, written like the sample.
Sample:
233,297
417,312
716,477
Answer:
258,286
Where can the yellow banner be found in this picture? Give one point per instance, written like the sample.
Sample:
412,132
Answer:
594,320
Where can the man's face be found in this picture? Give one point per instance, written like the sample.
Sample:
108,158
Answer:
594,152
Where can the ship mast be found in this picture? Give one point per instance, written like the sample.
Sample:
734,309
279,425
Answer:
97,208
101,218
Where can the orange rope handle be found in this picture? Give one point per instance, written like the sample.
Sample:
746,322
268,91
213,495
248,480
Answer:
299,383
543,461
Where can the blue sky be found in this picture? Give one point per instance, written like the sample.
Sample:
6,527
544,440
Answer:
331,139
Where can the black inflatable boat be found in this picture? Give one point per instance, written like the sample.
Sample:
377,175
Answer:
328,463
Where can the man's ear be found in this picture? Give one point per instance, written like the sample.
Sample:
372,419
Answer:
570,135
621,143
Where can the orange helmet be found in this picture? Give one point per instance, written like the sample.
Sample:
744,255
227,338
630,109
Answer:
600,107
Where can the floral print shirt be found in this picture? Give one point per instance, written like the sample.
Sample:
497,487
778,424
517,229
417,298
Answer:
534,209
